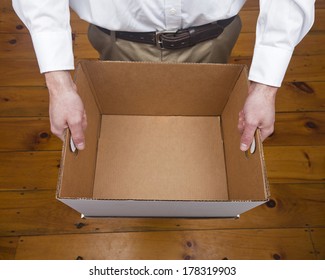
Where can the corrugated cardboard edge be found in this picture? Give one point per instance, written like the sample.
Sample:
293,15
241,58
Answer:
263,164
65,146
259,143
257,136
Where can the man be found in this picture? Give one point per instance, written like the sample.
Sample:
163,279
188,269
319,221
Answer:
211,25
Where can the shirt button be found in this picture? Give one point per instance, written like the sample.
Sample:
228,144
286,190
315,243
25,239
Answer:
172,11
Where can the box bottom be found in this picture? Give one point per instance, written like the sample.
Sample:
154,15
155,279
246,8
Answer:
160,158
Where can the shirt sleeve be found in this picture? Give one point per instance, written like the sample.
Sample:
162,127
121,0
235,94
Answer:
281,26
48,22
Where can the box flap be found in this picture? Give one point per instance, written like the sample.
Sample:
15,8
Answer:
143,88
77,171
246,174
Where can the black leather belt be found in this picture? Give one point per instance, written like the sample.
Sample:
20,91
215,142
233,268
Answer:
178,39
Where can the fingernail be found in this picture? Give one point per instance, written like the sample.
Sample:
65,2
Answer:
81,146
243,147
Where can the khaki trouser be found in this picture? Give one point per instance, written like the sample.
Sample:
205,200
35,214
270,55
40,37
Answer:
216,50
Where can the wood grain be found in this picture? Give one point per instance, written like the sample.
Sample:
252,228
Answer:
16,46
175,245
295,164
27,134
24,102
8,246
29,170
318,239
301,96
22,72
39,213
298,129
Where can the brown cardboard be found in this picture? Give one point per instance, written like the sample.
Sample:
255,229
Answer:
160,158
162,140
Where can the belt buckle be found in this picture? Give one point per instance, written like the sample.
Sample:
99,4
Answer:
159,42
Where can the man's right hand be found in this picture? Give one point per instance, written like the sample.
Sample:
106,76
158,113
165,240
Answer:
66,108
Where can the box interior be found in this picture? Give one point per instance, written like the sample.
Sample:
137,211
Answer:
169,158
160,131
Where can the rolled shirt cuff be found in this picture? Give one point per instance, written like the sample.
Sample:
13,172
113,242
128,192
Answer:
269,65
53,50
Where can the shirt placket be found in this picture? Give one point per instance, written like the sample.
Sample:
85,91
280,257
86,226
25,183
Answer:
173,13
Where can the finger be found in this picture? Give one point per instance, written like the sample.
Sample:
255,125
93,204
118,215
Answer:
77,134
58,130
241,126
247,137
241,122
84,121
266,132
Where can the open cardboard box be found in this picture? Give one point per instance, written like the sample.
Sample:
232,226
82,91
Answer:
162,141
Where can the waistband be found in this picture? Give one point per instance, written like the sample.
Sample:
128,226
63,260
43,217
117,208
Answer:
177,39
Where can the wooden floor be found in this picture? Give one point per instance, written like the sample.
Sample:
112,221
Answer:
33,225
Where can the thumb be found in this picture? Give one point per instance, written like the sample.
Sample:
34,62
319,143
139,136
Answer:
247,137
78,135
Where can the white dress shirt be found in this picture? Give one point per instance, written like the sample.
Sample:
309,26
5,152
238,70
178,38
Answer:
281,25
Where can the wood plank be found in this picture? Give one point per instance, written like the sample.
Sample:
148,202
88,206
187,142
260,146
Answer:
10,23
6,4
298,129
318,239
39,213
298,67
295,164
199,245
24,102
301,96
29,170
20,72
16,46
27,134
8,246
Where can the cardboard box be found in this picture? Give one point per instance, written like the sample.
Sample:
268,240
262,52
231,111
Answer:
162,141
